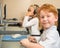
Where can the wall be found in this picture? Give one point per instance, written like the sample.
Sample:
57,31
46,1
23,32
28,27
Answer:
18,8
40,2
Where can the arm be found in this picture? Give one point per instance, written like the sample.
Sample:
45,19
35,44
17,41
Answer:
32,39
26,43
27,23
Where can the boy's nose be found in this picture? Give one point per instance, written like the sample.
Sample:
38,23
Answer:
45,18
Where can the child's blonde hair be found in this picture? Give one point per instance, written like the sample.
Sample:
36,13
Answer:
35,6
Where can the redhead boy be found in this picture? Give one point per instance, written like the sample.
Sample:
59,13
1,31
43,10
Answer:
48,18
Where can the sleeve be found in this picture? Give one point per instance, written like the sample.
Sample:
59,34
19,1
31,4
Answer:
51,39
27,23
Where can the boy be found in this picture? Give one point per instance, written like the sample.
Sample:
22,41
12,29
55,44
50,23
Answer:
48,17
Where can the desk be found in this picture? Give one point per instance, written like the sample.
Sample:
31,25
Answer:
9,22
11,45
9,38
14,30
9,42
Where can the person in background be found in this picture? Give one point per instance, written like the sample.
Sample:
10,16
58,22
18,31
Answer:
31,21
48,15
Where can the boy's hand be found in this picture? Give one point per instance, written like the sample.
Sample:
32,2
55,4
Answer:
32,39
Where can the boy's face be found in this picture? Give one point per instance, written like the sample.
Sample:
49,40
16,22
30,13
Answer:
47,19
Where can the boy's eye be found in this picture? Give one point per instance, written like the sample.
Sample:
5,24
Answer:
41,16
48,16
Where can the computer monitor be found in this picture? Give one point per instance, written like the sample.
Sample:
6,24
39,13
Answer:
4,11
0,14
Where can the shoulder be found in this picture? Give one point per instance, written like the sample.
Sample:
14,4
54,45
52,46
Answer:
36,19
53,34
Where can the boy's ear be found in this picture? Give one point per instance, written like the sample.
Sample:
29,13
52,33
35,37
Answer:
56,18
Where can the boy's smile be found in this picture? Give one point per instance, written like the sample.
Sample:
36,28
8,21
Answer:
47,19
